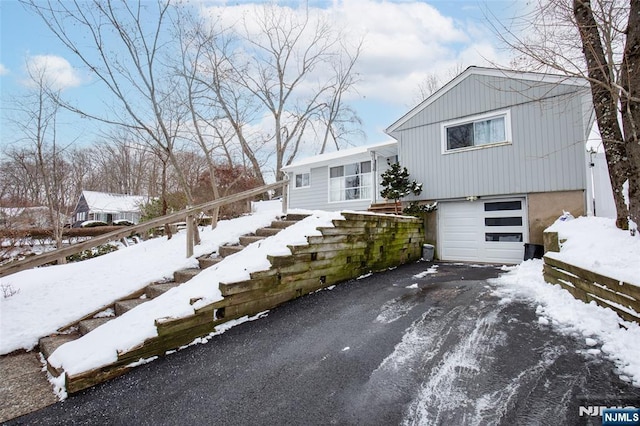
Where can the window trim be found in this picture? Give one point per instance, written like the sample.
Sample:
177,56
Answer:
329,167
472,119
295,175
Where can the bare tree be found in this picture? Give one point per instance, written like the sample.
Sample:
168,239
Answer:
19,175
285,69
195,37
120,161
433,81
598,41
39,154
336,117
124,44
217,69
81,174
288,52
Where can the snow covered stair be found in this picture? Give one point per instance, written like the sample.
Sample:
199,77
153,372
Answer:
319,251
260,234
94,320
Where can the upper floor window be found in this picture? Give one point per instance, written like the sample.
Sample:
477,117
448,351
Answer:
479,131
350,182
302,180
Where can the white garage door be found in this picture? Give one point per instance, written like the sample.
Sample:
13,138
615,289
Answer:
491,231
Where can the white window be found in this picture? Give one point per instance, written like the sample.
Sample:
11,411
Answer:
350,182
302,180
477,132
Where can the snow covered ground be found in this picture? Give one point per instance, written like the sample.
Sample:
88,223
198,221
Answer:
51,297
100,347
595,244
48,298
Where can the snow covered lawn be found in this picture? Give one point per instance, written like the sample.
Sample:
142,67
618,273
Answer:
48,298
100,347
595,244
51,297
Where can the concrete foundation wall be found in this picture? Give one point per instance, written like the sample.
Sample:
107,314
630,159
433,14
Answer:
546,207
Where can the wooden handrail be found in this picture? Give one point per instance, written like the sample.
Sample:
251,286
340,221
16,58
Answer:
51,256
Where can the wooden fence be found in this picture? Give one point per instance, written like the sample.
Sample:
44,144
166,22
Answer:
585,285
187,215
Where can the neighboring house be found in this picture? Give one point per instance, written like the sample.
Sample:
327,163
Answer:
502,152
342,180
107,207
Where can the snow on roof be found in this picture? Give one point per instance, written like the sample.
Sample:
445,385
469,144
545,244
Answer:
330,157
106,202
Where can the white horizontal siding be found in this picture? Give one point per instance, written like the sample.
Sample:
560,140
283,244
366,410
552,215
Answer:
316,196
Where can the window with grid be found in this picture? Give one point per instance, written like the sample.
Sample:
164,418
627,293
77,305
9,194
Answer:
350,182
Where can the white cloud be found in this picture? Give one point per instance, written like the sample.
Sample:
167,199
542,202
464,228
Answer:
3,70
404,42
51,70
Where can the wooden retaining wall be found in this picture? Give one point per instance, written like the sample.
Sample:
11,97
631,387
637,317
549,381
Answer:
358,245
590,286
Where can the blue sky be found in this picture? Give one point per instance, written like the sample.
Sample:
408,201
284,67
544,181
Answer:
405,41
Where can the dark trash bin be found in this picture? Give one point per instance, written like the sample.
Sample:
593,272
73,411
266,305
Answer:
533,251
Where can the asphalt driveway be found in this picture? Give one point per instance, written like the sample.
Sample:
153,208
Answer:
387,349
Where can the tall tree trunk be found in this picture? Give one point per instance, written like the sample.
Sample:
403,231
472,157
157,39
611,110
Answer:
605,105
630,105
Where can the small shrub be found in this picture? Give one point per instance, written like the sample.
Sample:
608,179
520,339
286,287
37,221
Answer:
91,253
416,209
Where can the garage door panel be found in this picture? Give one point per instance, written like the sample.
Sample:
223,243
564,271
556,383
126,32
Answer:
505,254
462,222
463,245
486,231
466,254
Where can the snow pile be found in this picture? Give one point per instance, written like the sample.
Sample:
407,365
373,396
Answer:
52,297
595,244
100,347
431,270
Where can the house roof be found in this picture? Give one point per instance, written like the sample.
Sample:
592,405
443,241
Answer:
108,203
494,72
389,148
